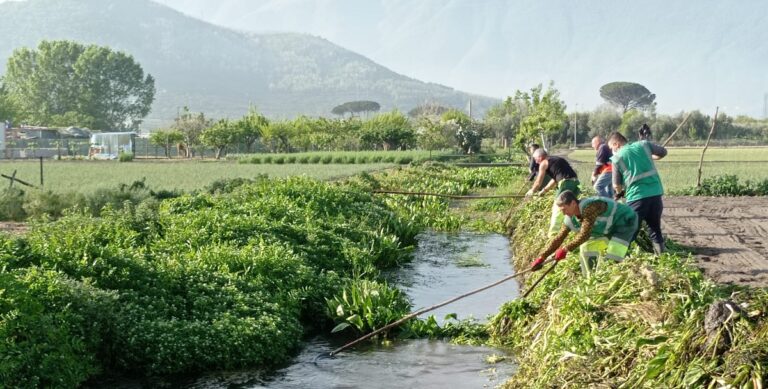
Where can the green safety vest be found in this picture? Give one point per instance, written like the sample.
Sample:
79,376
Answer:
606,221
635,164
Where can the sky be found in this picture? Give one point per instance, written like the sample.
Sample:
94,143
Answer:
691,54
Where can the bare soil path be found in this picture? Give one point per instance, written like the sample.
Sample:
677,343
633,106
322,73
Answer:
729,235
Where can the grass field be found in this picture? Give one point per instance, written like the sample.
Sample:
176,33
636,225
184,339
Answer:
679,168
87,176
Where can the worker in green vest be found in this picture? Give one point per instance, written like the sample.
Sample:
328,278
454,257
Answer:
600,223
635,176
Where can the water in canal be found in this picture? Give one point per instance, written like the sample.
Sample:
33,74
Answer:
444,266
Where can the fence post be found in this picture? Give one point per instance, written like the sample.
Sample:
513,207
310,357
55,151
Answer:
41,172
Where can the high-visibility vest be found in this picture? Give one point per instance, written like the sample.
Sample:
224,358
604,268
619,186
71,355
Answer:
635,163
606,221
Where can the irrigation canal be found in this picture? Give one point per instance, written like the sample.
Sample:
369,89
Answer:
445,265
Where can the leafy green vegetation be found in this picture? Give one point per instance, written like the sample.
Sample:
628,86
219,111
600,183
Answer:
225,278
729,185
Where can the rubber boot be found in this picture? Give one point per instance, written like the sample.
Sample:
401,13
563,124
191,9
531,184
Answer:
659,248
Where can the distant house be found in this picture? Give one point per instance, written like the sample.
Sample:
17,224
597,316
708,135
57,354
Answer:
109,145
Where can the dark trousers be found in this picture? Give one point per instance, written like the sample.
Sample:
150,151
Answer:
649,210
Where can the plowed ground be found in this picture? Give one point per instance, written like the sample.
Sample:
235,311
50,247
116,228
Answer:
729,235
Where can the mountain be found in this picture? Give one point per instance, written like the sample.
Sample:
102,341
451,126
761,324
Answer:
217,70
691,54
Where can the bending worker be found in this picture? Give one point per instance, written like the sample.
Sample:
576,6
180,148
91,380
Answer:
635,174
563,177
600,224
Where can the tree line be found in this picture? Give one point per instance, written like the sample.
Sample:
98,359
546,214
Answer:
65,83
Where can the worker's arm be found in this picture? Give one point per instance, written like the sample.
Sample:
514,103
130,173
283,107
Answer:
556,242
657,152
617,180
539,177
533,167
589,216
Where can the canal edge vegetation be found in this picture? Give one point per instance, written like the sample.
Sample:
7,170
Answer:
644,322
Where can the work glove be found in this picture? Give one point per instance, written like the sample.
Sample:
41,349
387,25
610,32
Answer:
537,263
529,193
560,254
618,195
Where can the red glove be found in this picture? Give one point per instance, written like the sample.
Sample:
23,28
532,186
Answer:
560,254
537,264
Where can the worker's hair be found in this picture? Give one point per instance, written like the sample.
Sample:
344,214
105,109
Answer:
645,132
565,198
534,146
618,138
539,153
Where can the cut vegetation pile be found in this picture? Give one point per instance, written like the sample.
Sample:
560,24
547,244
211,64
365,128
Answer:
644,322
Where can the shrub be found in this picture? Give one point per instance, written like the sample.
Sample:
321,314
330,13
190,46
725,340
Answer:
388,159
315,159
404,160
376,158
326,159
304,159
256,160
125,157
268,159
290,159
362,159
279,160
12,204
339,159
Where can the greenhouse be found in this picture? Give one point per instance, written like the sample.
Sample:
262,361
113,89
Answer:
109,145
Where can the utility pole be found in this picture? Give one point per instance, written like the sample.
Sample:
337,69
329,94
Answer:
576,126
765,106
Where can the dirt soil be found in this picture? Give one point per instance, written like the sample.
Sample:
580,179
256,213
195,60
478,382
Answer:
729,235
13,227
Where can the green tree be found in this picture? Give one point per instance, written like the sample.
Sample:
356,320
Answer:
250,128
353,107
191,126
219,136
545,114
627,95
277,136
67,79
603,121
504,119
390,130
166,139
7,110
433,135
433,110
631,122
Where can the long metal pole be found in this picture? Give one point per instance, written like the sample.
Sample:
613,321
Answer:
425,310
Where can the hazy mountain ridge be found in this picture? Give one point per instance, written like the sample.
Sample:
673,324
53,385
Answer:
218,70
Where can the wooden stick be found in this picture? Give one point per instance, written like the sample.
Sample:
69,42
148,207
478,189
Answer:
14,179
539,280
676,129
458,197
425,310
701,161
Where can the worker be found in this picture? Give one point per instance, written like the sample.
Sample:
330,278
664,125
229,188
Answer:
600,224
601,176
635,177
563,177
